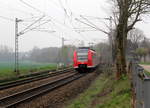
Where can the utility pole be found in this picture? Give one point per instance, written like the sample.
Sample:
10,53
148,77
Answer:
16,47
62,48
63,51
17,34
63,40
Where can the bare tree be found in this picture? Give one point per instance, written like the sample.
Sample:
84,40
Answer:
103,49
6,53
142,52
129,13
136,36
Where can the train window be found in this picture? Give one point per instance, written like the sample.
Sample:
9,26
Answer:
82,50
82,54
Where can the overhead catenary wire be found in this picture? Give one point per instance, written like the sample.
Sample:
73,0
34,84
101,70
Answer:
59,29
55,21
91,26
93,17
37,10
64,9
94,25
31,6
7,18
98,18
41,12
48,31
84,29
77,31
32,18
5,5
68,7
31,25
35,27
56,5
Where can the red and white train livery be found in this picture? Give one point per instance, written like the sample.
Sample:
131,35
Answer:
85,58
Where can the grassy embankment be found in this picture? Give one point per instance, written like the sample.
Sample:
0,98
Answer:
145,63
7,68
105,92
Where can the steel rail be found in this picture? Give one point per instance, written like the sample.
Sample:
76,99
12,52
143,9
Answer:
17,98
34,78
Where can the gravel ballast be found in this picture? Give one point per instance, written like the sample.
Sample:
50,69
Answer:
61,96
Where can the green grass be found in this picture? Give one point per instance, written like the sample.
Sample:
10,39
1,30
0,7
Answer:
146,72
144,63
7,68
99,94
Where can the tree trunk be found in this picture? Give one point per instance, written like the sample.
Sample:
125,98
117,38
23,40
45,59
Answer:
120,59
121,40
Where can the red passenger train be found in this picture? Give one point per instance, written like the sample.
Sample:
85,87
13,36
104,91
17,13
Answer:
85,58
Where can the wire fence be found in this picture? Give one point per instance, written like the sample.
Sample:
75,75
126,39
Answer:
140,87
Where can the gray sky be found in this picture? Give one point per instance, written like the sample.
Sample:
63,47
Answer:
60,22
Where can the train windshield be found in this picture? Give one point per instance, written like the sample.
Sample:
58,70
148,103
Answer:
82,54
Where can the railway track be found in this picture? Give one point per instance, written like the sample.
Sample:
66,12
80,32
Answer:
17,98
46,74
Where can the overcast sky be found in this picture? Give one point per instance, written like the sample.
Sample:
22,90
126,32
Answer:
61,15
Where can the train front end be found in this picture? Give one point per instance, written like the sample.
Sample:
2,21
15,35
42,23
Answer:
82,59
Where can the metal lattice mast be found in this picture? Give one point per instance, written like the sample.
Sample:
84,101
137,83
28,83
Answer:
16,47
17,34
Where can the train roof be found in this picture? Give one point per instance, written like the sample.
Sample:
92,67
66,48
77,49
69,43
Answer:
85,48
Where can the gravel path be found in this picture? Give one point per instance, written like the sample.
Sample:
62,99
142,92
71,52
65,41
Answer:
146,67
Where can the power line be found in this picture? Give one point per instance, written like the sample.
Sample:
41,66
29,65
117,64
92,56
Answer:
32,7
35,27
36,10
78,31
12,8
64,9
39,10
68,7
6,18
83,30
95,27
48,31
31,18
49,16
93,17
59,27
58,7
31,24
98,18
93,24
